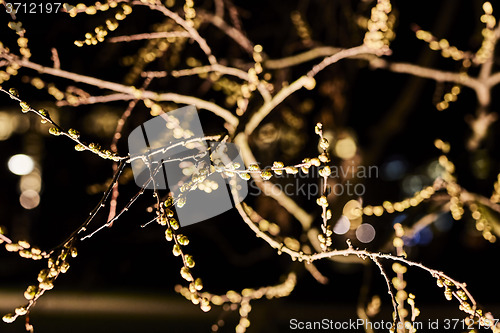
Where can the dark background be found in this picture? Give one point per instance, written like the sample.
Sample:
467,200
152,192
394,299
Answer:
393,118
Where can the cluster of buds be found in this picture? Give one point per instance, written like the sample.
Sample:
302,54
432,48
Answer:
482,224
399,206
166,218
25,250
452,290
93,147
22,41
489,38
100,32
443,45
380,26
46,277
189,12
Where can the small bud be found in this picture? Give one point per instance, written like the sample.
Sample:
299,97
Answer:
74,133
186,274
169,234
21,311
30,292
13,92
169,213
322,201
74,252
324,158
181,202
205,305
323,144
46,285
266,174
174,224
315,161
278,165
198,284
43,112
54,131
189,260
12,247
80,147
24,244
64,267
318,128
325,172
162,220
448,294
176,250
169,202
253,167
244,176
183,240
25,107
9,318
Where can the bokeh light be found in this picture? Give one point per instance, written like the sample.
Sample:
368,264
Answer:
342,226
29,199
365,233
7,125
21,164
345,148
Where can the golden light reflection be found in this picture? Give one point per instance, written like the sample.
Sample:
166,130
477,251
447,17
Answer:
345,148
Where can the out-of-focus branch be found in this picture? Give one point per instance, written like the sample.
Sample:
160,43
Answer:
224,70
128,90
323,51
151,35
230,31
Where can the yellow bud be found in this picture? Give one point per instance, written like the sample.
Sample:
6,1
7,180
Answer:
189,260
186,274
21,311
198,284
266,174
9,318
183,240
169,234
176,250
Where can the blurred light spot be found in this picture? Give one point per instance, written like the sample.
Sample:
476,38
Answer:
394,169
29,199
398,219
412,184
31,181
365,233
434,170
352,209
267,134
481,165
342,226
444,222
7,125
426,236
101,122
422,237
345,148
21,164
